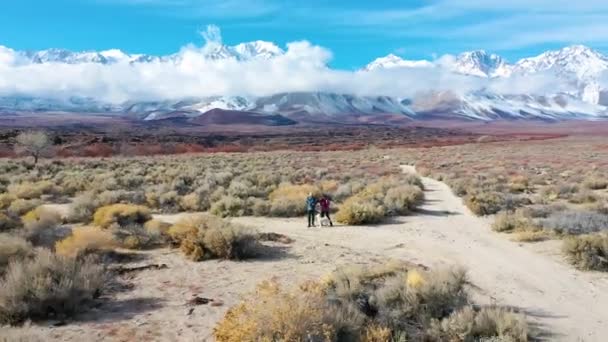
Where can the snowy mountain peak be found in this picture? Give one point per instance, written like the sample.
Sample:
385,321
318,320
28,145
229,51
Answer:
257,50
63,56
577,61
394,61
482,64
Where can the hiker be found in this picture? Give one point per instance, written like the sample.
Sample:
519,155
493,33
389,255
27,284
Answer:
325,202
311,203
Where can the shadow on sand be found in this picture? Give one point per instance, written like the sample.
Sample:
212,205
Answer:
440,213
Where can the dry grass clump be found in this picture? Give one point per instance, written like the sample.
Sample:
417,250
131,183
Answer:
362,304
587,252
121,215
13,248
209,237
386,197
84,241
48,286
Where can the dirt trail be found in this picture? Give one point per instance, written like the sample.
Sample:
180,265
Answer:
572,305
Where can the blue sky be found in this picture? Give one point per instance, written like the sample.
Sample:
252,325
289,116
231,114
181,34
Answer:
356,31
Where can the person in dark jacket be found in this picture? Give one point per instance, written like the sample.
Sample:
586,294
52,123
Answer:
325,202
311,203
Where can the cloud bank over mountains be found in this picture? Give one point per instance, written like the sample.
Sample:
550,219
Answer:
261,68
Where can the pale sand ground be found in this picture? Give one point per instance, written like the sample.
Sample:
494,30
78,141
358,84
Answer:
531,277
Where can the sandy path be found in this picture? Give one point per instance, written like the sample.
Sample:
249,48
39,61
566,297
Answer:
533,278
571,304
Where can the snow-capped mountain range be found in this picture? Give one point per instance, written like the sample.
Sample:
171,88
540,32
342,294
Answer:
241,52
580,70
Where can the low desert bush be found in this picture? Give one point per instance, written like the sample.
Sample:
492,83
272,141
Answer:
13,248
47,286
363,304
27,190
561,191
272,314
6,200
360,210
121,215
194,201
82,208
584,197
518,184
258,206
576,222
21,206
587,252
84,241
230,206
508,222
208,237
136,236
531,236
468,324
402,199
485,203
596,183
39,224
157,227
288,200
386,197
7,223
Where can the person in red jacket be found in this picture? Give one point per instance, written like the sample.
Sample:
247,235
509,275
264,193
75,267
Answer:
325,202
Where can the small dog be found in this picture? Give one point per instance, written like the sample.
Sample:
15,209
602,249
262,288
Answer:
323,221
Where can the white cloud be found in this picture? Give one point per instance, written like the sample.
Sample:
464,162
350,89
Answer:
303,67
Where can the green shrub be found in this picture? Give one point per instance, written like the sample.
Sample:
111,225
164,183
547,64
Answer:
48,285
587,252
